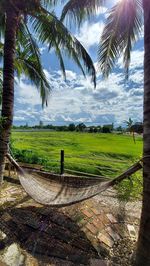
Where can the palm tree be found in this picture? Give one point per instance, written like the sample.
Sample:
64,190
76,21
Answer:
120,33
26,21
27,64
130,124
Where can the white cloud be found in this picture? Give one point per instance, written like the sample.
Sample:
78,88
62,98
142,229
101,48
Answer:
137,58
137,76
27,94
69,74
89,34
76,100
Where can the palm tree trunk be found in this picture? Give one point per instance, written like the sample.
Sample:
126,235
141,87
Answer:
143,248
12,19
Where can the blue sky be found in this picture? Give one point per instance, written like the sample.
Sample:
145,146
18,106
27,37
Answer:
76,100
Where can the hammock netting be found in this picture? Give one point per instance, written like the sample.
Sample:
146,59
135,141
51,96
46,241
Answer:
56,190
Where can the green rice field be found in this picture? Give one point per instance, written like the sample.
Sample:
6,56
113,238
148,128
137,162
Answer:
99,154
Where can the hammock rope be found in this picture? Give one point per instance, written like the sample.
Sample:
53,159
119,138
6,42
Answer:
62,190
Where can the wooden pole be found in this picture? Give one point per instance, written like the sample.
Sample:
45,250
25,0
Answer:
62,162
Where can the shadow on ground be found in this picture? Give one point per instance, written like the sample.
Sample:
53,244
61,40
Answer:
80,234
46,232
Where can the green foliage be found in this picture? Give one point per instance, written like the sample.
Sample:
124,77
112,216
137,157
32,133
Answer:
28,156
119,128
81,127
137,127
131,188
80,10
72,127
107,129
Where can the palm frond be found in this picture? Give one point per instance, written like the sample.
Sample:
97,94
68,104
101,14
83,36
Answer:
2,25
27,41
50,3
122,29
1,51
50,30
79,10
60,58
31,69
58,52
28,62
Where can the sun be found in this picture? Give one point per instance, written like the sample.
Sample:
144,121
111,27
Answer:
116,1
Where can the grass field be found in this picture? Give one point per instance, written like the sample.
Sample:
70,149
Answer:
100,154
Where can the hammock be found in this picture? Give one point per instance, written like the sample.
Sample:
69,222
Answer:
62,190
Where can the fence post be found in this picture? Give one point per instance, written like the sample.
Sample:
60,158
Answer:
62,162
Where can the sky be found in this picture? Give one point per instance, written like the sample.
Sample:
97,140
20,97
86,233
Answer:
76,100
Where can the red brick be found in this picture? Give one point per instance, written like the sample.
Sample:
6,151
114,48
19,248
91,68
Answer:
92,228
106,239
98,223
104,219
87,213
96,211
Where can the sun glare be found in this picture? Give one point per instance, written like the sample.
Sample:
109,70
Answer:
116,1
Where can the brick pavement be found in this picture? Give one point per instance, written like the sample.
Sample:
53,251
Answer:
76,235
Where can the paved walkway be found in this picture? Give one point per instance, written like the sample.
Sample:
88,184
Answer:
82,234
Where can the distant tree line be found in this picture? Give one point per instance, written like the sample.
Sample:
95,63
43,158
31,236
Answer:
81,127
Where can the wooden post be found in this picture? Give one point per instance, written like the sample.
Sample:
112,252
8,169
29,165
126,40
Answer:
62,162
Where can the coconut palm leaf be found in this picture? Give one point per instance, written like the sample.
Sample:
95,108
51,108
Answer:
50,30
30,67
27,63
2,27
79,10
50,3
122,29
1,51
27,40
